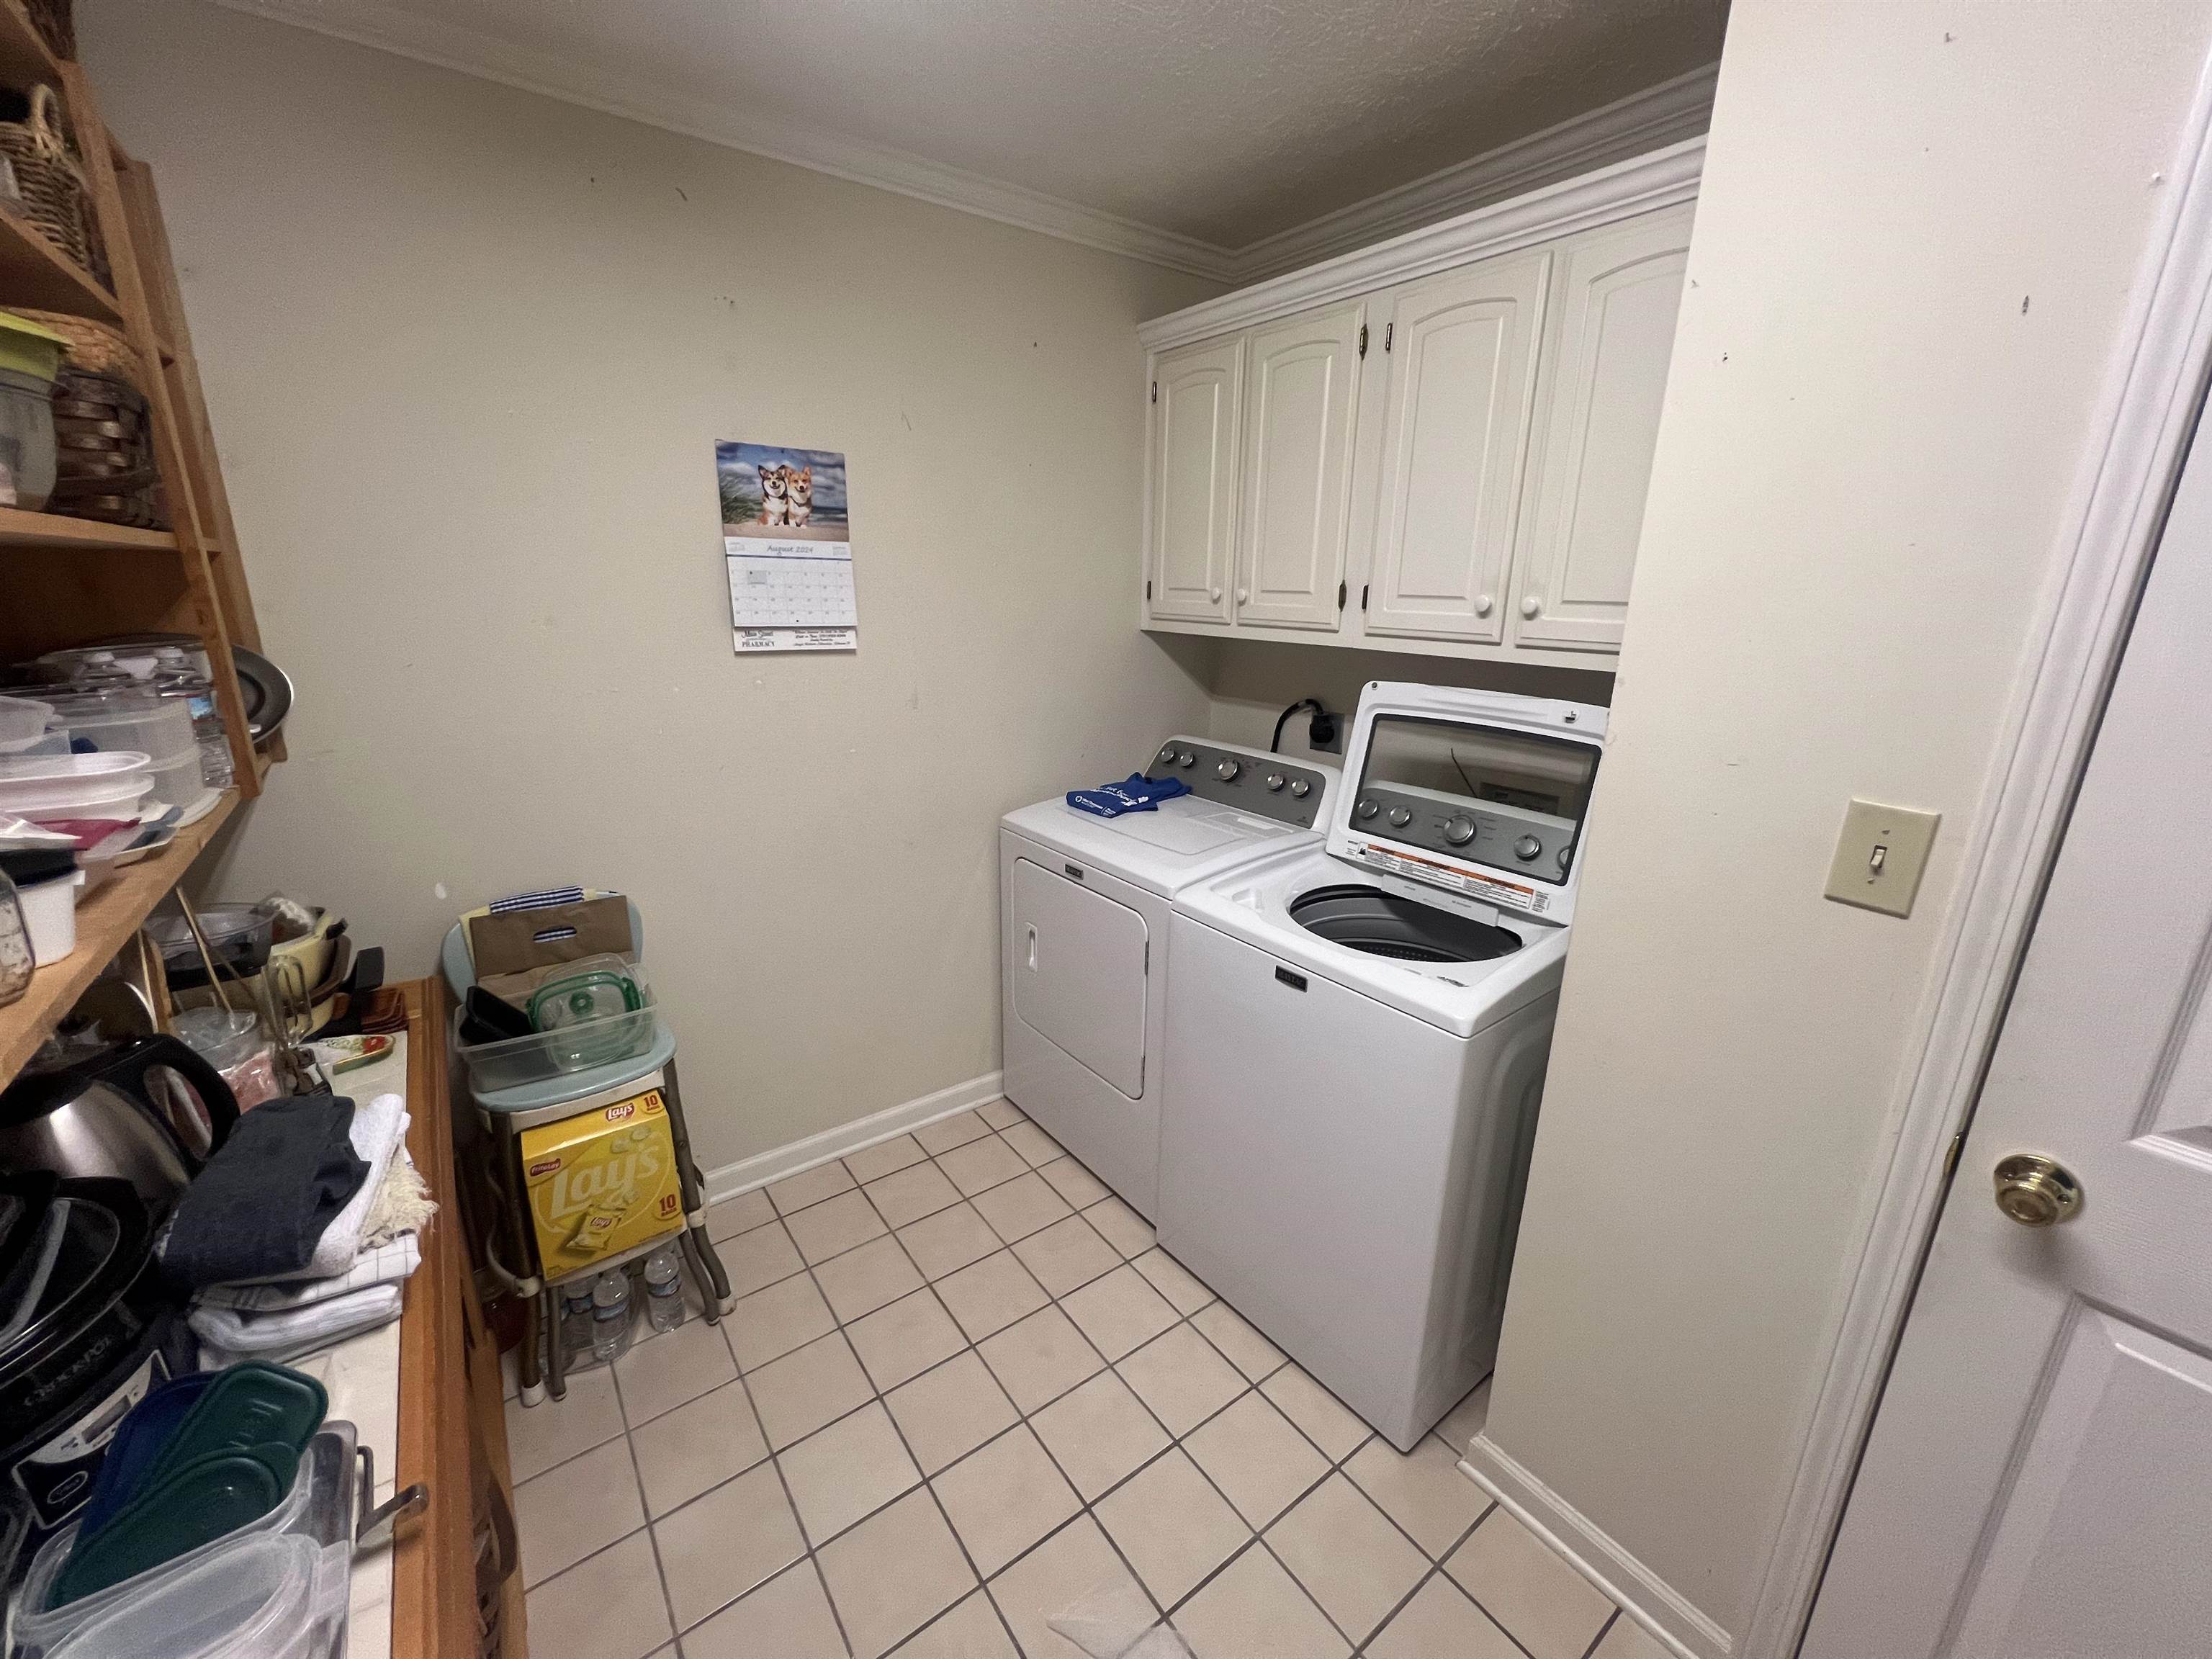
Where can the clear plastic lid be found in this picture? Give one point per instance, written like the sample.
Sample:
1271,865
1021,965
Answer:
255,1599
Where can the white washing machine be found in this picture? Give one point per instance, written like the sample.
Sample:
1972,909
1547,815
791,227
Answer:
1083,904
1356,1044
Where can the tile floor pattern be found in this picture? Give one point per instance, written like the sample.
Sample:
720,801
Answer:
962,1390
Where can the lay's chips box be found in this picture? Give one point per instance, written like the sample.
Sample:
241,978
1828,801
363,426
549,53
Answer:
602,1182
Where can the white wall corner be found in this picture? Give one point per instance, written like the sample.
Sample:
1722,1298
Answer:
1677,1625
775,1164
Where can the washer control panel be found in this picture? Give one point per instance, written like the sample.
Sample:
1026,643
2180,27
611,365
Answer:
1500,835
1267,785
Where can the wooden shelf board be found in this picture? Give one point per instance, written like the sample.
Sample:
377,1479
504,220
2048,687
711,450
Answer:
24,57
22,529
104,923
34,272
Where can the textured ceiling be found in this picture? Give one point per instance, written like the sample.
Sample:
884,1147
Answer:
1223,120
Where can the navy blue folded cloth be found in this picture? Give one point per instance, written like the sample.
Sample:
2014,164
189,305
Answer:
258,1208
1134,793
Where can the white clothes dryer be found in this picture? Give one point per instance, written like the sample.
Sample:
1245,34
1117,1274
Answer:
1356,1044
1084,904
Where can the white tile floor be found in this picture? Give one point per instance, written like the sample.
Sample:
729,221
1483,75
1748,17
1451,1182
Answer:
962,1391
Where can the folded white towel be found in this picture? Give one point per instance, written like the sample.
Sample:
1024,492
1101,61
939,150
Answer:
388,1264
294,1329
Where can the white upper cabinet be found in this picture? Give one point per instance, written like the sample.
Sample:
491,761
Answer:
1438,445
1196,402
1461,361
1611,337
1301,394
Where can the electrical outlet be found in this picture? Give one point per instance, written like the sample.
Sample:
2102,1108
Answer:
1325,735
1881,856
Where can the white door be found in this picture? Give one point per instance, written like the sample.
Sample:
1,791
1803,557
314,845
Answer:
1079,968
1460,354
1610,337
1302,380
1195,406
2038,1481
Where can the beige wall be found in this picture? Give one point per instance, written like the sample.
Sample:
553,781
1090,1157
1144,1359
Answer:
1250,682
468,351
1916,236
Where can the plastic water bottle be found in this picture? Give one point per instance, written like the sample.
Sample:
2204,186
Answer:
610,1314
178,675
664,1289
576,1321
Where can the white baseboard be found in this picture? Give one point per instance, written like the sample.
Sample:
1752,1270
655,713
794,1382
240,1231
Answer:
762,1168
1643,1595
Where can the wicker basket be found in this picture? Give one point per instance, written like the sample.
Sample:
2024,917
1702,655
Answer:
56,199
97,347
103,452
56,26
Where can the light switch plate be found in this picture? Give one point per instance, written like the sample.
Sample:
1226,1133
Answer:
1881,856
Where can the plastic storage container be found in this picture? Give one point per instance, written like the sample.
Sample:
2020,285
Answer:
30,357
142,722
237,937
22,720
43,787
578,1046
317,1515
233,1045
16,962
46,884
263,1598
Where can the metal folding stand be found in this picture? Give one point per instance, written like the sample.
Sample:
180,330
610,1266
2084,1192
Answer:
505,1113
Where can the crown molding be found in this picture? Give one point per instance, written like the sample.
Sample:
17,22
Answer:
1643,184
471,53
1644,121
1655,118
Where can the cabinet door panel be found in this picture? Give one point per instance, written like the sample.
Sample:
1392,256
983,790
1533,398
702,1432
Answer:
1612,339
1194,431
1461,362
1303,379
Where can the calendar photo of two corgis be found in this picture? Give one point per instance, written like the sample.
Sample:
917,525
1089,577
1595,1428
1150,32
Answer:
777,493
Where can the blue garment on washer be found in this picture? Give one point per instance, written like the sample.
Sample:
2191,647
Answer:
1134,793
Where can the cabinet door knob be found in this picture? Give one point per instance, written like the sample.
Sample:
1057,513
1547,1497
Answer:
1482,604
1243,594
1531,605
1217,596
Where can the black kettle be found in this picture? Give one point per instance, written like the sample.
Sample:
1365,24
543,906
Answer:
100,1119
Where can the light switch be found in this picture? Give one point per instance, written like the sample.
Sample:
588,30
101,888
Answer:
1881,855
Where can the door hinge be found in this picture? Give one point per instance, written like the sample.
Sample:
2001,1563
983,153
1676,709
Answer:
1388,329
1363,596
1148,593
1156,391
1363,339
1341,591
1148,956
1951,1154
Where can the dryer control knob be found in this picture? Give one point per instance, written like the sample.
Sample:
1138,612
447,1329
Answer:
1459,831
1274,780
1401,816
1186,758
1227,768
1527,847
1300,787
1167,755
1368,809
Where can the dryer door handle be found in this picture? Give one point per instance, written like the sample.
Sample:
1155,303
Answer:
1032,947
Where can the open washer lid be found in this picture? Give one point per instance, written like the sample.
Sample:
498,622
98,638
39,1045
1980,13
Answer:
1474,801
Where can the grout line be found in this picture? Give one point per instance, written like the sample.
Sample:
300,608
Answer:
644,1503
1597,1640
1024,1419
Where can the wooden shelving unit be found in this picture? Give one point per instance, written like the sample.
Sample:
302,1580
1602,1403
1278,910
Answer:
104,923
67,582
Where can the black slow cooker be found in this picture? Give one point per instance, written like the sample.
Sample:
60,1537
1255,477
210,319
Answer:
87,1325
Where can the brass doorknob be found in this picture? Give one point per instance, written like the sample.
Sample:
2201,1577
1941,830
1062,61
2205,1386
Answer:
2036,1191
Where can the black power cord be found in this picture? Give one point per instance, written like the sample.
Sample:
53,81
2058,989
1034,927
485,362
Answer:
1321,731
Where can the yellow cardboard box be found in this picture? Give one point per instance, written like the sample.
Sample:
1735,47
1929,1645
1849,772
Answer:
602,1182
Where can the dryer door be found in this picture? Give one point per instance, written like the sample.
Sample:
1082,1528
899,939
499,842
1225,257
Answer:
1078,972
